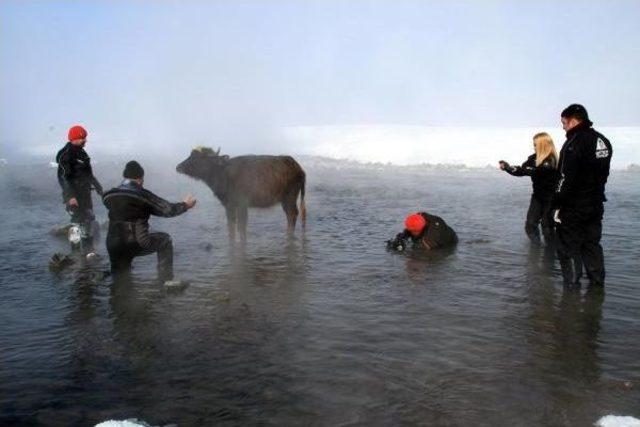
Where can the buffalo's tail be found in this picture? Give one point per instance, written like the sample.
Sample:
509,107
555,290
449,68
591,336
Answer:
303,207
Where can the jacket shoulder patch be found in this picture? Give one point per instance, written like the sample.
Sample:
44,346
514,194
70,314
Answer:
601,149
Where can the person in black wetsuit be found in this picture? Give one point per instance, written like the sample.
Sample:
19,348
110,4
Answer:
426,231
130,206
542,168
584,165
76,179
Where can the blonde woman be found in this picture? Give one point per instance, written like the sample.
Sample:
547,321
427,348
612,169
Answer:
542,168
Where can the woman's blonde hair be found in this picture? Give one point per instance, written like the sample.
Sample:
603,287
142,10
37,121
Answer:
545,148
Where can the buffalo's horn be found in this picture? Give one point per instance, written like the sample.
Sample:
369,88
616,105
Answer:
218,152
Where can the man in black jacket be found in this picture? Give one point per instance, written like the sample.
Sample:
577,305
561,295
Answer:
76,179
130,206
584,167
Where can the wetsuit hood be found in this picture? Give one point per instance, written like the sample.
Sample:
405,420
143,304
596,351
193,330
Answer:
580,127
130,183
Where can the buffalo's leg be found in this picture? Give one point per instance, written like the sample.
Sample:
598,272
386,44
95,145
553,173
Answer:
291,210
243,218
231,222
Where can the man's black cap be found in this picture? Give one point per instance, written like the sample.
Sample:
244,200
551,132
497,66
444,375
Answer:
577,112
133,170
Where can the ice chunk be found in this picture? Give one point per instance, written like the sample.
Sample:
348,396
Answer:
617,421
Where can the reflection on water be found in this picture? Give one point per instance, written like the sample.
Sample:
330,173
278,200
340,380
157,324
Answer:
324,327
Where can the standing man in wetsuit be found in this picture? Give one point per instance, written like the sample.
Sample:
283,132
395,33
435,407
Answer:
76,179
426,231
584,167
130,206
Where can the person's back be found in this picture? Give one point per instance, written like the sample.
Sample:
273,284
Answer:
130,206
438,233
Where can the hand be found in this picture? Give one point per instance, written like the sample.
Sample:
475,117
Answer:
556,216
73,202
189,201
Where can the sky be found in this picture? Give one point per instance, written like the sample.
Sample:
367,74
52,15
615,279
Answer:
168,75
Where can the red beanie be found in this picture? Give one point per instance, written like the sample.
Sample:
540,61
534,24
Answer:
415,223
77,132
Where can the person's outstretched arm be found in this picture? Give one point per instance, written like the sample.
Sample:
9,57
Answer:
163,208
526,169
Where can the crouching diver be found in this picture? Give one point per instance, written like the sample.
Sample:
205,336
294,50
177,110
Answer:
76,179
541,166
130,206
426,231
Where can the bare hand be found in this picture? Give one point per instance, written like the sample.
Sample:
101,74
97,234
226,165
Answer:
189,201
73,202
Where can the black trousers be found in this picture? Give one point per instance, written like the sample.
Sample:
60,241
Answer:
579,236
540,211
127,240
84,217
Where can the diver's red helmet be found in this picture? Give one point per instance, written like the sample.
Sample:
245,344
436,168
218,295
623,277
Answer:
415,223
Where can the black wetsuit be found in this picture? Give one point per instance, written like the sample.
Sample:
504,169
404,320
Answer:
76,179
545,181
130,207
436,234
584,166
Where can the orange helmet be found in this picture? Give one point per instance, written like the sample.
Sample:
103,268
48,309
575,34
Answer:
415,223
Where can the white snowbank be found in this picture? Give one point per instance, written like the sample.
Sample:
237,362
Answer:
617,421
470,146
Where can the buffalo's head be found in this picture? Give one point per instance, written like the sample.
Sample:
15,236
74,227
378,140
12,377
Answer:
201,163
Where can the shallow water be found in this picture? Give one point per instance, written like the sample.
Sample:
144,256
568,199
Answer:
326,328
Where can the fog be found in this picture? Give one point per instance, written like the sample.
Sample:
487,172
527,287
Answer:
401,82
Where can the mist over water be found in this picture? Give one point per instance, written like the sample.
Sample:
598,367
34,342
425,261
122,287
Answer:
327,327
395,145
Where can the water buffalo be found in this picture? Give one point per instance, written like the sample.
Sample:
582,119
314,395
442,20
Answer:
248,182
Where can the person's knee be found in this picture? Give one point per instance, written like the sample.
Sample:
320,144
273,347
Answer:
531,228
164,241
120,263
167,240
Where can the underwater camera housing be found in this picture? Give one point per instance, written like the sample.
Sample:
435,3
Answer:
398,244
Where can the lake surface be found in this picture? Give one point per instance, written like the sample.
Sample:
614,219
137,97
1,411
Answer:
327,327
